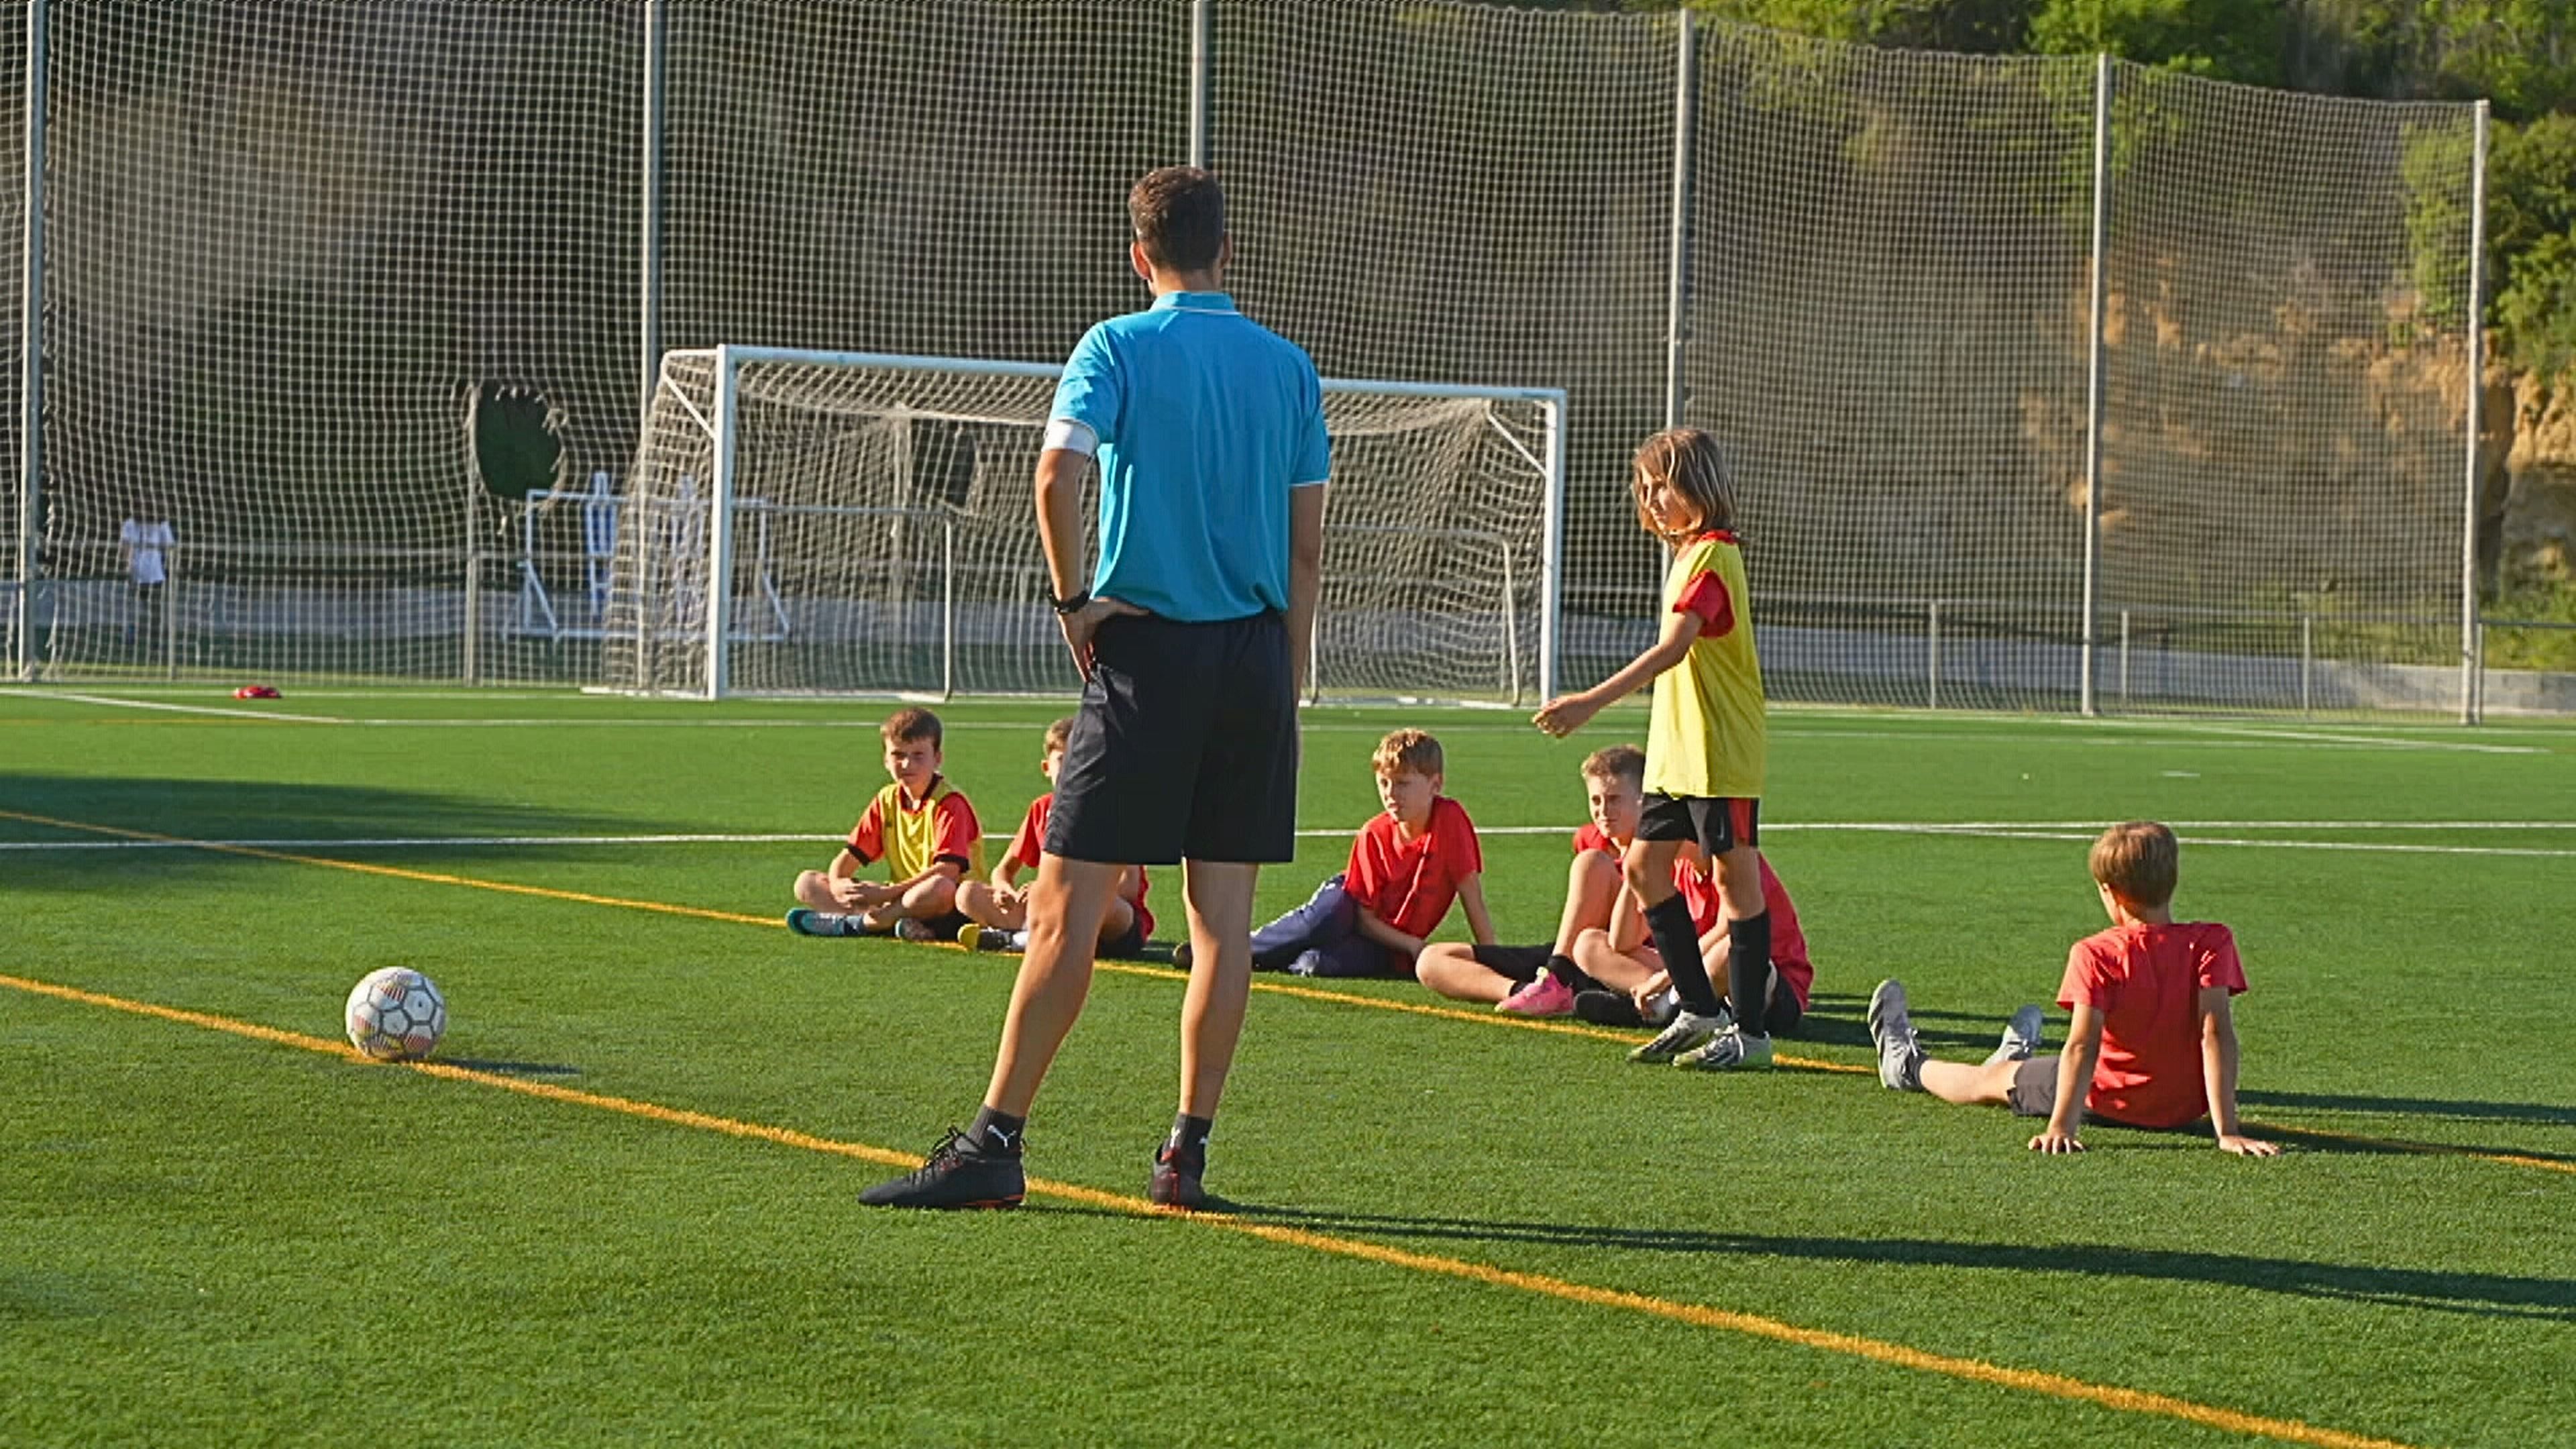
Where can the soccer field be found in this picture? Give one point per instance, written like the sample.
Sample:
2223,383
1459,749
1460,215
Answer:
621,1203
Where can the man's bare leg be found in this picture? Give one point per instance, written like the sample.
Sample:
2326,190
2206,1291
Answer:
1064,904
1220,903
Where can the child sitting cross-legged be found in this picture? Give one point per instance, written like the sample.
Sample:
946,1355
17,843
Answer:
1625,951
2153,1041
1543,980
923,829
997,911
1407,865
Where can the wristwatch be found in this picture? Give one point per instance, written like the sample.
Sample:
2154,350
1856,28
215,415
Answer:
1072,603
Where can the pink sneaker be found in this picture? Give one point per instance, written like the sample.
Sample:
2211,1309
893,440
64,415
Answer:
1546,996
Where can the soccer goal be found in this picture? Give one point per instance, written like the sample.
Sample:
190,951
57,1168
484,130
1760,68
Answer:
872,519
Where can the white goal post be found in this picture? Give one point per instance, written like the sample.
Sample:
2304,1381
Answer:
873,518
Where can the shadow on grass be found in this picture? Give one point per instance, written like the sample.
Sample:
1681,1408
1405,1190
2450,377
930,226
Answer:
2536,1112
2493,1295
250,810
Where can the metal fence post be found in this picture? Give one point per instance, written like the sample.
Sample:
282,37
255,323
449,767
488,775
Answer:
657,37
2469,710
472,664
1677,281
1932,665
2307,660
2093,371
1202,80
31,354
2124,658
948,613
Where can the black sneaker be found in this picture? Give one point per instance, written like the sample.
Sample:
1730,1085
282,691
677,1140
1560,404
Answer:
960,1173
1175,1181
1607,1008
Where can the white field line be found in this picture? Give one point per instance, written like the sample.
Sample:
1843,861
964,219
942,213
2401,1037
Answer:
2067,830
115,703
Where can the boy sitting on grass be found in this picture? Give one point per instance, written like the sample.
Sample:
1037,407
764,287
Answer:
926,833
2153,1042
1542,980
1624,953
997,911
1407,865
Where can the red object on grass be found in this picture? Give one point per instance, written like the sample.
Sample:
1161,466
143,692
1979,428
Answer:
256,691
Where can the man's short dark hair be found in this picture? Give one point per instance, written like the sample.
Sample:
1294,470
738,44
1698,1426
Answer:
1179,215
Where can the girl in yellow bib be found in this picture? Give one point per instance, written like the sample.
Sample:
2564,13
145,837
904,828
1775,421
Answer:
1704,757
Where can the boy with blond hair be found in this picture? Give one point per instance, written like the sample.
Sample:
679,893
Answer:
997,911
1624,952
924,830
1542,980
1407,866
2153,1040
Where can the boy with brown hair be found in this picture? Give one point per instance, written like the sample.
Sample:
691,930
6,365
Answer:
1407,865
2153,1041
997,910
924,830
1542,980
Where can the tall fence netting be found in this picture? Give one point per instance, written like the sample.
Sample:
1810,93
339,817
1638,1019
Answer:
351,293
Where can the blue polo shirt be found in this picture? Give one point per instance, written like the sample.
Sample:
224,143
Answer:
1206,420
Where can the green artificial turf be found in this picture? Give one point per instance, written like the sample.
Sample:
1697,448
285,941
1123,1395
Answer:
208,1238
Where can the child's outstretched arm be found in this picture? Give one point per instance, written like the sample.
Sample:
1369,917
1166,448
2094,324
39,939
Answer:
1369,925
2218,1070
2074,1079
1567,713
1471,897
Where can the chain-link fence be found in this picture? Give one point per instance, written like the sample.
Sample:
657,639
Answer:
352,295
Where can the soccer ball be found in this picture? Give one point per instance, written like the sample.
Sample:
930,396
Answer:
396,1015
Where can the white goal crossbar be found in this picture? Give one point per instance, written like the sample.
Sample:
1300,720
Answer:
893,503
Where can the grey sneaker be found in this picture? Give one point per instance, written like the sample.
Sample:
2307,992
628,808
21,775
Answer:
824,923
1689,1030
1900,1055
2023,1037
1729,1050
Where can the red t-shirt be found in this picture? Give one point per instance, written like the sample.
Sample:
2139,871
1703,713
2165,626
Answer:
1788,943
1410,883
1030,843
2146,981
1589,836
949,833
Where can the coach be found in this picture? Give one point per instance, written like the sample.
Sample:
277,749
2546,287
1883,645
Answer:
1192,639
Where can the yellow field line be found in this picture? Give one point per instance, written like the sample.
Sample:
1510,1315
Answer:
2057,1386
1125,968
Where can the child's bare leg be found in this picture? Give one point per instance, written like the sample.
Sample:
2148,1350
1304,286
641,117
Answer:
1611,966
814,889
1450,969
1114,921
929,900
980,903
1979,1086
1591,887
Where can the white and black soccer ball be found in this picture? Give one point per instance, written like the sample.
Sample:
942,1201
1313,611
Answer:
396,1015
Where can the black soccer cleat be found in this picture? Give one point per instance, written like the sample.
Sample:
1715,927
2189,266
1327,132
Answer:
1607,1008
1175,1180
959,1173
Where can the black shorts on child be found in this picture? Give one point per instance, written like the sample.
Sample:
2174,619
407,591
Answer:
1715,824
1185,746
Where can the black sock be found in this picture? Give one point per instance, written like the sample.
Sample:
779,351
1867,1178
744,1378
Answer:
1748,972
1189,1138
1571,976
997,1131
1676,938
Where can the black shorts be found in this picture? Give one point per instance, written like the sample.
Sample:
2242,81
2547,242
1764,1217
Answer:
1514,963
1185,746
1130,943
1716,824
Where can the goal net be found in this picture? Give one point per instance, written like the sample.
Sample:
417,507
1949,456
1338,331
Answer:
872,520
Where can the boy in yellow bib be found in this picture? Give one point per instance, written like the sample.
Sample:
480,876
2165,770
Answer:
924,830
